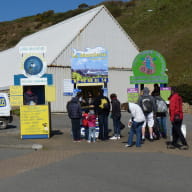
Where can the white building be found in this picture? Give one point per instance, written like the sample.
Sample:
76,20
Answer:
94,28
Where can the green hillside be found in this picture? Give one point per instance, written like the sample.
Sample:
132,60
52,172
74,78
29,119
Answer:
161,25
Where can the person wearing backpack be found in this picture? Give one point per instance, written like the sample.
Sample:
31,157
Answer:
161,114
102,109
75,114
148,105
176,118
116,116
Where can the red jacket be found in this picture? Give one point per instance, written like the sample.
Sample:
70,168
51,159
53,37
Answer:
175,106
84,119
91,120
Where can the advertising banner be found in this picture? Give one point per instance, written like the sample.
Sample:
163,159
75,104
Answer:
89,66
133,95
34,121
165,92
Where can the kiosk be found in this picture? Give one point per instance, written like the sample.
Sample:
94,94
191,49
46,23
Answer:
32,92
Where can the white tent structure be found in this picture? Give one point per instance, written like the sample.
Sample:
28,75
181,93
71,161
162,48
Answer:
94,28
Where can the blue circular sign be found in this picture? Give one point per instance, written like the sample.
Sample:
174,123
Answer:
33,65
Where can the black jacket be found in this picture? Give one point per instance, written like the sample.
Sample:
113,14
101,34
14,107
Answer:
98,110
116,108
74,108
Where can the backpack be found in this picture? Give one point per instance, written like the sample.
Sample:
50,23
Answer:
161,106
104,104
146,104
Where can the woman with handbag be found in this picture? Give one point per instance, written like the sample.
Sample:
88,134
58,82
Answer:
176,118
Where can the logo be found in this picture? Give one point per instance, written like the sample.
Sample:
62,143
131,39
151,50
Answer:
2,102
149,66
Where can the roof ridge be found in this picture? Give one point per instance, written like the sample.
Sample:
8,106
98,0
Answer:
97,9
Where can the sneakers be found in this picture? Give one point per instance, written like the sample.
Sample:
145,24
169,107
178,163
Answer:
127,145
114,138
184,147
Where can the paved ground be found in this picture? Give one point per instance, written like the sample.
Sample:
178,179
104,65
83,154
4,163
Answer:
103,166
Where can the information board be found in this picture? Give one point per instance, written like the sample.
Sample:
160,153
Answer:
16,95
34,121
68,87
133,95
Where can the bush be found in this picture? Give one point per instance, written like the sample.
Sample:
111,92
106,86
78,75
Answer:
186,92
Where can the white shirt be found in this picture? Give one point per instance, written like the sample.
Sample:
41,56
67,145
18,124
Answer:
136,112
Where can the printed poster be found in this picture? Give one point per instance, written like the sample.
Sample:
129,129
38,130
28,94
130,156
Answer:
16,95
133,95
89,66
165,92
34,120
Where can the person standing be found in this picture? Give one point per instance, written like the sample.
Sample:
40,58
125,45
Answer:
148,105
92,126
116,116
176,118
156,90
102,109
136,123
75,114
161,114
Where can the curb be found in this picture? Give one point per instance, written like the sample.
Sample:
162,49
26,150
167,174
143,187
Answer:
23,146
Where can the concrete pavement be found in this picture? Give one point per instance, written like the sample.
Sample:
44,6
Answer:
60,147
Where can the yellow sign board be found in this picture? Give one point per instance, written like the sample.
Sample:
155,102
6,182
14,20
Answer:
50,93
16,95
34,120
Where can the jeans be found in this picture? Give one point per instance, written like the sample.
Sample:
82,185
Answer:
177,134
76,129
116,125
103,126
162,124
86,133
92,131
135,129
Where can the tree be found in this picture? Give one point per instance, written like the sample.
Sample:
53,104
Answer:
83,6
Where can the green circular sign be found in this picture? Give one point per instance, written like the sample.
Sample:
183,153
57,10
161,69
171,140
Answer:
149,67
149,63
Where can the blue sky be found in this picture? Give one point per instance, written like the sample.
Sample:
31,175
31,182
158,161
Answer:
14,9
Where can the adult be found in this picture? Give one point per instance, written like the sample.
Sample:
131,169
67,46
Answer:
148,105
89,101
75,113
161,114
136,123
102,109
116,116
156,90
176,118
30,98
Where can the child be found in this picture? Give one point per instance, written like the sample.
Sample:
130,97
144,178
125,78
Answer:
92,125
85,123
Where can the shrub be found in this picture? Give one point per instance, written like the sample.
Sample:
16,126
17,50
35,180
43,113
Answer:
186,92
